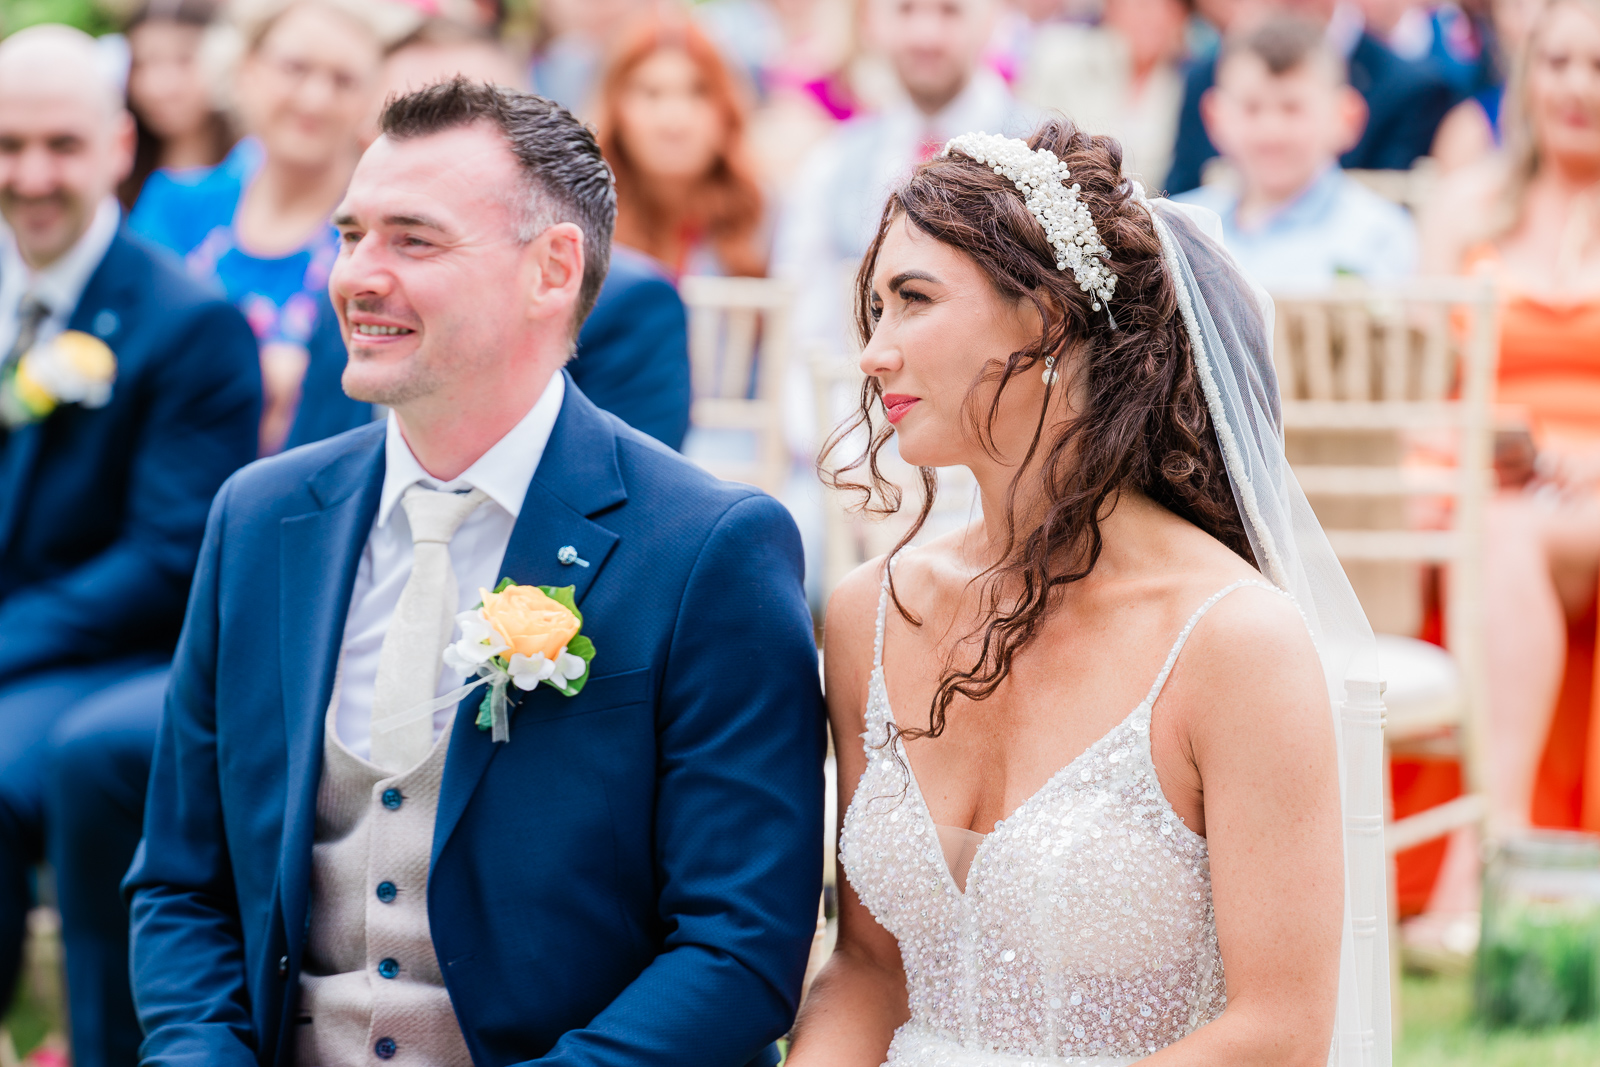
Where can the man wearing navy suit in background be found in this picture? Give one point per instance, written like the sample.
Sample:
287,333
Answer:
632,359
103,501
1406,100
340,867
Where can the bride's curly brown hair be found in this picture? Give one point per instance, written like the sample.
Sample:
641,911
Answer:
1142,424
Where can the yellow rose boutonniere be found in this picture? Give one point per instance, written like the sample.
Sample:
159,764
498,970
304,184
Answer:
70,368
521,635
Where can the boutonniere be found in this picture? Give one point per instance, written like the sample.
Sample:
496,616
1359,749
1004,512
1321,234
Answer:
70,368
521,635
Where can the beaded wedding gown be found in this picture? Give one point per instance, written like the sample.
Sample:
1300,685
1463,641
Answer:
1084,934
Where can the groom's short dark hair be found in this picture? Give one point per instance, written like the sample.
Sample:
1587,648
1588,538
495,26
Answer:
566,178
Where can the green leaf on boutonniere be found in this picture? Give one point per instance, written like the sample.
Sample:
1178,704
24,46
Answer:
485,717
505,583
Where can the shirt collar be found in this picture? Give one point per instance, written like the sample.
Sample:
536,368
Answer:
1308,206
503,472
61,284
1345,28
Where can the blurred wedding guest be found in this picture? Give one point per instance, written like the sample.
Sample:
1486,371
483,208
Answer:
257,223
576,35
1405,100
1440,33
935,49
180,122
441,49
128,393
797,55
437,50
1123,78
1471,131
1530,219
1282,111
671,121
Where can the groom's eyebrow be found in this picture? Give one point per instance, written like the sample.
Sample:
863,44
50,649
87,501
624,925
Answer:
414,220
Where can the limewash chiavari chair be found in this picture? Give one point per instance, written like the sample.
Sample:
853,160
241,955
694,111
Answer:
739,339
1371,378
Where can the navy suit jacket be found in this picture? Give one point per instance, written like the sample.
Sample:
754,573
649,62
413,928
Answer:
1406,101
633,359
102,511
631,880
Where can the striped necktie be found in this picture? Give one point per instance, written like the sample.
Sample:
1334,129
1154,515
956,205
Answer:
31,313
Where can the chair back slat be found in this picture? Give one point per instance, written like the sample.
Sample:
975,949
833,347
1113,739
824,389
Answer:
738,356
1316,352
1355,357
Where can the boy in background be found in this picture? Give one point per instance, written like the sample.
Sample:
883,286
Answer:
1281,113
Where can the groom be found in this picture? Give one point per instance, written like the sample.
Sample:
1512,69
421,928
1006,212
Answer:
632,878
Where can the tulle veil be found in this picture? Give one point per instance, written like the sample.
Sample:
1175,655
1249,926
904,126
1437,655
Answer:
1230,325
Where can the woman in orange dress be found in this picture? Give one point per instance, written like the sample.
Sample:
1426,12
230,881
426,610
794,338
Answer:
1530,218
672,123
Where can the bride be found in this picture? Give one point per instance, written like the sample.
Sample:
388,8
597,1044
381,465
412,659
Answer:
1033,873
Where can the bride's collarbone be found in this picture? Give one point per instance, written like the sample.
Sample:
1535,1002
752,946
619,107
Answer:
1066,690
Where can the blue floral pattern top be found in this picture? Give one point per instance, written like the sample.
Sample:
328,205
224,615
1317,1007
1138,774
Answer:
191,212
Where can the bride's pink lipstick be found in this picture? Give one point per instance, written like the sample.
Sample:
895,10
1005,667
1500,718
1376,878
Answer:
895,405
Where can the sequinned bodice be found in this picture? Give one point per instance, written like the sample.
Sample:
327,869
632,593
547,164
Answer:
1086,932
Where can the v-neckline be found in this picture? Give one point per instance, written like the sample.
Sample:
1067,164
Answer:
931,827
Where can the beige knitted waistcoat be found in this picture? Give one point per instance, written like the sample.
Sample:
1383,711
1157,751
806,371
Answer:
371,991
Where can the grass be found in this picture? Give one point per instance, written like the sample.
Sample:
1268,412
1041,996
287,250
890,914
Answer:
29,1022
1439,1032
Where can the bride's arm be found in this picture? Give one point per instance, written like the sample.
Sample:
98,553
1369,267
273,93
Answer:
1248,708
859,996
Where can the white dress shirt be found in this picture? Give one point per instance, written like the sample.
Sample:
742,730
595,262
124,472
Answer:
61,284
476,552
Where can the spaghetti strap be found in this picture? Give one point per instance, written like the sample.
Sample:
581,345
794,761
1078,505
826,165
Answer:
1188,628
883,616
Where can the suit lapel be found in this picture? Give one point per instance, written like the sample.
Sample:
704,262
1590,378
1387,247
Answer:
17,458
578,477
108,290
318,555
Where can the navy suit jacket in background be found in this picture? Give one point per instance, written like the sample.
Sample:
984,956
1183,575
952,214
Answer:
102,511
633,359
631,880
1406,101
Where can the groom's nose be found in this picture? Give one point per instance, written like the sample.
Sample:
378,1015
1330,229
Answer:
361,272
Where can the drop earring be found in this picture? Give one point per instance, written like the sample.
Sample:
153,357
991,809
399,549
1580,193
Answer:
1050,374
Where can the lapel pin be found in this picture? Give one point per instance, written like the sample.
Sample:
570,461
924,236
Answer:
566,555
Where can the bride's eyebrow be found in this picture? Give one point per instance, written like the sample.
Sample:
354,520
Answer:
910,276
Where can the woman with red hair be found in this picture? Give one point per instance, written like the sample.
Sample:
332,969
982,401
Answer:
672,124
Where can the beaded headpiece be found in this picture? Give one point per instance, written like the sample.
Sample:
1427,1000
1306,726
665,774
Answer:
1041,178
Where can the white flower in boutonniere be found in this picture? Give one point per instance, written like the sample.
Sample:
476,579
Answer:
521,635
70,368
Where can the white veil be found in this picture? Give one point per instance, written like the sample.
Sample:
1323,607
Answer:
1230,327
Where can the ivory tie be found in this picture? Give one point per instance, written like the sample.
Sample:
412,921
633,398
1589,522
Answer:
423,623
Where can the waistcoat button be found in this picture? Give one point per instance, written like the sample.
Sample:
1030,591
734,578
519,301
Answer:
387,892
389,968
392,799
385,1048
283,966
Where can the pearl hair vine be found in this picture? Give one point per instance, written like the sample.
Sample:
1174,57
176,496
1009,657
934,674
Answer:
1041,177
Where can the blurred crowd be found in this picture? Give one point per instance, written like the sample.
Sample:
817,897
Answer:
749,138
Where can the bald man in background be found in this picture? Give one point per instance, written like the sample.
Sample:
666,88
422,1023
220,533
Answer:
103,503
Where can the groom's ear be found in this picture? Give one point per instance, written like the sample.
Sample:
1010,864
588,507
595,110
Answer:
553,268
